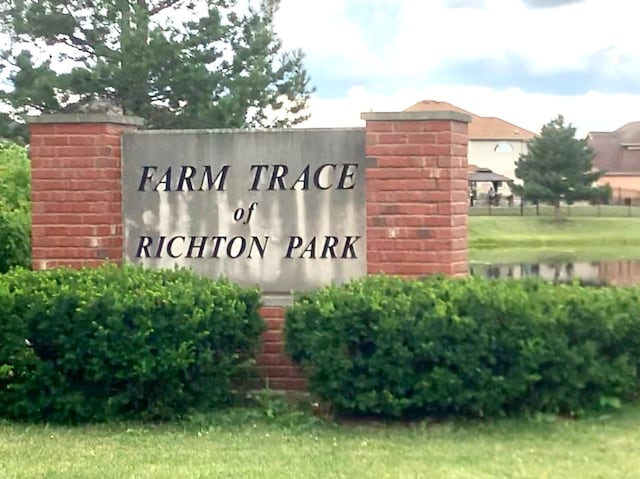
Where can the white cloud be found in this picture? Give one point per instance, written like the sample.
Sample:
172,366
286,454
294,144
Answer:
547,39
429,34
322,30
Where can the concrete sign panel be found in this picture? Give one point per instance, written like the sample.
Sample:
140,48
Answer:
280,209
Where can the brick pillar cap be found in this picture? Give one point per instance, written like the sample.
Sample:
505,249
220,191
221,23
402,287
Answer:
416,115
86,118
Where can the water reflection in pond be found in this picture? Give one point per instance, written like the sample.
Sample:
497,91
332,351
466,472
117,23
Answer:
615,272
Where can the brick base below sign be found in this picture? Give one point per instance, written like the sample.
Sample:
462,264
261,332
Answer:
275,368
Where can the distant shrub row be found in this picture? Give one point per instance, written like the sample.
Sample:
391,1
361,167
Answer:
110,342
474,347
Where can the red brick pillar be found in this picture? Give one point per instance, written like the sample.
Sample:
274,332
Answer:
417,193
76,188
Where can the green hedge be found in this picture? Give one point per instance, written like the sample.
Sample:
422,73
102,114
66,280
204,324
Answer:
15,207
474,347
15,238
106,343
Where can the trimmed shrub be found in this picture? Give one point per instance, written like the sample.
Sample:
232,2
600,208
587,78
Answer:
107,343
474,347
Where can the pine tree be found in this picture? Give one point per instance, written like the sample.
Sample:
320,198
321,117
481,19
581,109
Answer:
558,167
11,130
175,63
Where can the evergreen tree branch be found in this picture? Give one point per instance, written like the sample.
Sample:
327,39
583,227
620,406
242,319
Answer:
160,7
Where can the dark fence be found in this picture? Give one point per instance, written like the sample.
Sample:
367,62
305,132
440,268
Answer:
565,210
623,203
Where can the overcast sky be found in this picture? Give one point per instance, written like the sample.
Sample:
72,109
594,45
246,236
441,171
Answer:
522,60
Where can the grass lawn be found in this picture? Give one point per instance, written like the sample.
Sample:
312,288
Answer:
598,447
573,238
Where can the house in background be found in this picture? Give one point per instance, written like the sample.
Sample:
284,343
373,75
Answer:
618,153
494,144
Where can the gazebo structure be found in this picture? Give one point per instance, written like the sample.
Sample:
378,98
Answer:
493,181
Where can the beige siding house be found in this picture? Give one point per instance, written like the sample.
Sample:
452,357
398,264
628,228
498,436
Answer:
618,153
494,144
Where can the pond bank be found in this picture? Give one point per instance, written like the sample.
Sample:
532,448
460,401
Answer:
611,272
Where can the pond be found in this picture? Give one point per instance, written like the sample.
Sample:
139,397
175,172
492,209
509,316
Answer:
611,272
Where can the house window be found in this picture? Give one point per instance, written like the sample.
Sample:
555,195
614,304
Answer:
503,148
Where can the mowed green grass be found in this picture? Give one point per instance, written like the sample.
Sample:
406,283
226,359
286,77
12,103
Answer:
525,232
597,447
